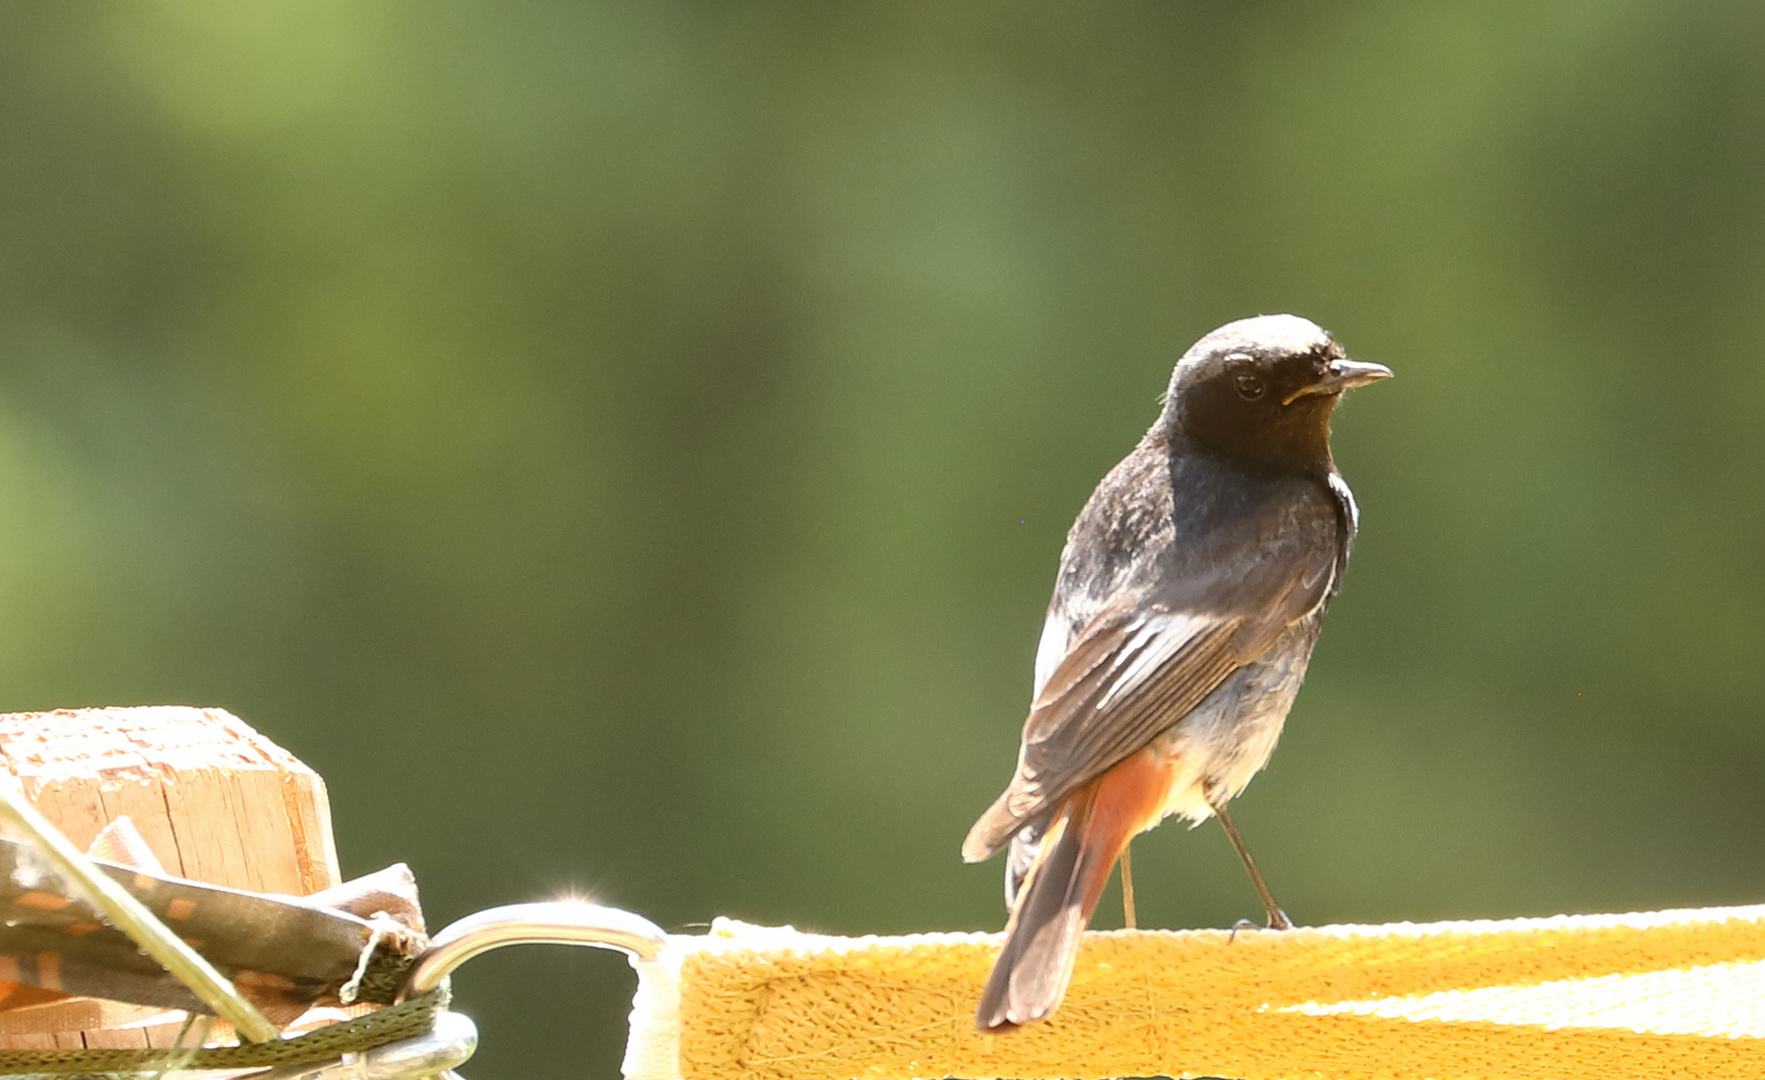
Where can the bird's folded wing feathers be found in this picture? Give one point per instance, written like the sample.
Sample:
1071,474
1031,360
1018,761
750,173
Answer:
1122,681
1128,676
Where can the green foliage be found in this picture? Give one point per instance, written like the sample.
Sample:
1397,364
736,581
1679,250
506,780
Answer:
625,448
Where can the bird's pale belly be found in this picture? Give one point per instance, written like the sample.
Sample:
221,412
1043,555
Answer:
1211,754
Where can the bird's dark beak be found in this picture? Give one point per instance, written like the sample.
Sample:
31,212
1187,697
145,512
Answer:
1339,376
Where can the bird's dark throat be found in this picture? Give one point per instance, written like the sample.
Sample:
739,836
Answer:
1293,437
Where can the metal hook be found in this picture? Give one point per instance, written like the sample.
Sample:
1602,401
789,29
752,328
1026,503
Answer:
558,922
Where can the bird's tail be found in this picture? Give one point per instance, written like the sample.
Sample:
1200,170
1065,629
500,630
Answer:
1062,888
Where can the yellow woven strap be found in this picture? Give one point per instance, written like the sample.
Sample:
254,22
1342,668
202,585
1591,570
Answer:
1604,997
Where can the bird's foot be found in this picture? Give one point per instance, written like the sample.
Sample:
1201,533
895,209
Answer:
1278,920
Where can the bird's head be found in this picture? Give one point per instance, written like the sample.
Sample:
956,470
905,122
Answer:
1263,389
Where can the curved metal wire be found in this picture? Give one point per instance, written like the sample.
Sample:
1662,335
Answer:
434,1054
558,922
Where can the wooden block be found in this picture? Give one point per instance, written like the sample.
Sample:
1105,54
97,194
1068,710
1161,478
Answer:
157,1030
115,1039
214,800
211,800
78,1014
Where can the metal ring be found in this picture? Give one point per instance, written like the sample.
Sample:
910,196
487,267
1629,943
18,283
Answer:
559,922
449,1043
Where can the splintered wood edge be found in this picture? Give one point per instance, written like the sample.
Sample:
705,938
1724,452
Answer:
215,800
212,798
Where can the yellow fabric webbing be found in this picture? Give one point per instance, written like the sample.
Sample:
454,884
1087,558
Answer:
1605,997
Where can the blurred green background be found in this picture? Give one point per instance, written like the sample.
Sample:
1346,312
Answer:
626,447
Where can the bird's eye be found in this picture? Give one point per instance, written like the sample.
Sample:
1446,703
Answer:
1249,387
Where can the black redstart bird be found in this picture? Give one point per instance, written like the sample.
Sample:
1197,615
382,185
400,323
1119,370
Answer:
1191,591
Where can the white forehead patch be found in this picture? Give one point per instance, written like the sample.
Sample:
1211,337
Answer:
1263,334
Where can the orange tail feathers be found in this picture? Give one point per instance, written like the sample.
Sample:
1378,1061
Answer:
1062,888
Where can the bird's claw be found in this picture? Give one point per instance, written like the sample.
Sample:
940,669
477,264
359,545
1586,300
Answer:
1278,920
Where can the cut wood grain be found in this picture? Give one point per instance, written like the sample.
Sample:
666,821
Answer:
206,797
214,800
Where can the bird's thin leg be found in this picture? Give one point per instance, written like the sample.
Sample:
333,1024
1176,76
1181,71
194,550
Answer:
1278,919
1127,866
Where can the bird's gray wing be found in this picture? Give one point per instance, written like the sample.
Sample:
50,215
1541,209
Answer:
1133,671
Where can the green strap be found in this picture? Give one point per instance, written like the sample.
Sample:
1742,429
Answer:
408,1020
